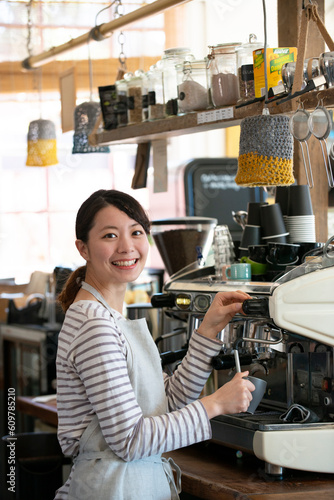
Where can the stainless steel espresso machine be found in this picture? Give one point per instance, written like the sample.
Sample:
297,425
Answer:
285,336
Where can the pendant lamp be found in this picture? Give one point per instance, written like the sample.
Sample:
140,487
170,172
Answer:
42,145
266,144
86,115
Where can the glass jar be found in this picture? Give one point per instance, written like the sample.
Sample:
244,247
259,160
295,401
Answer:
134,95
311,69
170,59
192,86
246,68
156,105
222,70
122,102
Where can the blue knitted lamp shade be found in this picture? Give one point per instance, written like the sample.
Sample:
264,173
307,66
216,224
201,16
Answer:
85,116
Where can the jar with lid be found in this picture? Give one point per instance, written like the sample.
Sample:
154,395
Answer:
246,68
134,98
170,59
122,102
222,71
192,86
156,105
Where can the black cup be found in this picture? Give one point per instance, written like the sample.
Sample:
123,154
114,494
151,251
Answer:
272,221
282,254
308,249
282,198
258,253
250,236
253,210
300,200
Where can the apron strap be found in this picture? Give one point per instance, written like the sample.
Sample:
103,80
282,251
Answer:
169,465
97,295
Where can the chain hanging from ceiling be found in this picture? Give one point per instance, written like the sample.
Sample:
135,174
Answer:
42,144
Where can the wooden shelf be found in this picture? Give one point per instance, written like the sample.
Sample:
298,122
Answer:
203,121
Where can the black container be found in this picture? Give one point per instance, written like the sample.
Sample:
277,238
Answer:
283,254
250,236
258,253
253,211
308,249
282,198
272,221
108,99
300,200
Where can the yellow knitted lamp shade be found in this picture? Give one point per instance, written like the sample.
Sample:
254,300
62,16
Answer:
265,152
42,145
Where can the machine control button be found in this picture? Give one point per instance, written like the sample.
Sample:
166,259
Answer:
202,302
183,301
162,300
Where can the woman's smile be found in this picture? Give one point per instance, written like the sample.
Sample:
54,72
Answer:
125,263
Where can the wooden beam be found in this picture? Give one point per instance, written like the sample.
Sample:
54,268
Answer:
14,80
289,12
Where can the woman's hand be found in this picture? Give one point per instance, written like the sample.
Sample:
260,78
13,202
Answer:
232,397
224,306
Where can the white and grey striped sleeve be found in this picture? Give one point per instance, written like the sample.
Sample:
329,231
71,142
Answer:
187,382
94,379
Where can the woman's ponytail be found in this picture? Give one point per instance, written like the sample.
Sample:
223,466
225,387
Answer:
71,288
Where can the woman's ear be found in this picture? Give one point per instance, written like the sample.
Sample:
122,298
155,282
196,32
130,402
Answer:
82,249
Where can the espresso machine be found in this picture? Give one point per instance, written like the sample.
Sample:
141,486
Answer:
284,335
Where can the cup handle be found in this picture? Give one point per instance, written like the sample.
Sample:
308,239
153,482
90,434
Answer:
228,272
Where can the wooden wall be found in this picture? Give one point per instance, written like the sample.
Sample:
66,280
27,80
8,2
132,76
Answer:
288,28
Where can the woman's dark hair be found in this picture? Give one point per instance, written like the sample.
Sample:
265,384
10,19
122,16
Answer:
85,221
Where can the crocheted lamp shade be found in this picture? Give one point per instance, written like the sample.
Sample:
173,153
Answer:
42,145
85,116
265,152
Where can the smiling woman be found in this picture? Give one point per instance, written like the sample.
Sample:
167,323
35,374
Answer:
117,411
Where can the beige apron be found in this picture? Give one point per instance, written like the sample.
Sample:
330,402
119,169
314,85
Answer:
98,473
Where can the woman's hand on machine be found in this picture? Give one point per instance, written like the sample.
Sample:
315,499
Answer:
232,397
224,306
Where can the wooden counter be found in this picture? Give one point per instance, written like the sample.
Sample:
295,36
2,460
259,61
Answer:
47,412
213,472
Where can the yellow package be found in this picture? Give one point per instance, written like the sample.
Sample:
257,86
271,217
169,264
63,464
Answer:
275,60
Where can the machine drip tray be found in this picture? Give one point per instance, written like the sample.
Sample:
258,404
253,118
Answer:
237,431
266,421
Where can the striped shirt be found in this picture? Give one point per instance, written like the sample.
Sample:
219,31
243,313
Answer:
92,378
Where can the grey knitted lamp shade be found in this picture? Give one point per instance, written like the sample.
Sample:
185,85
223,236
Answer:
85,116
265,151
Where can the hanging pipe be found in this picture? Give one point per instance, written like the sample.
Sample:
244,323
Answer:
101,32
